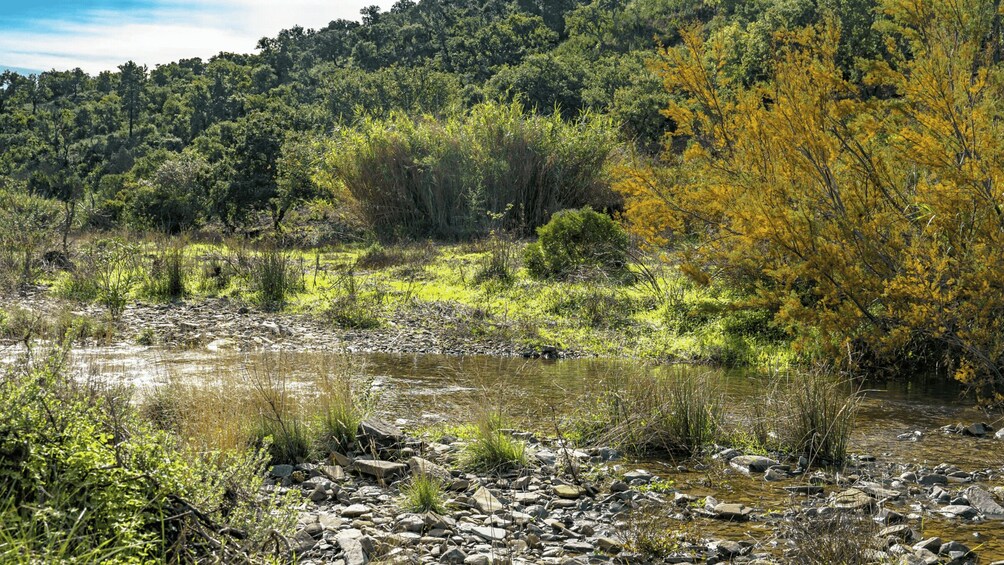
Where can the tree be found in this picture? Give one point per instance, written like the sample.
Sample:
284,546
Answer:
132,78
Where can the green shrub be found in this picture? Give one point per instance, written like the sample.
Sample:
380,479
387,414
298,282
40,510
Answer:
424,493
578,242
444,178
28,225
595,306
83,477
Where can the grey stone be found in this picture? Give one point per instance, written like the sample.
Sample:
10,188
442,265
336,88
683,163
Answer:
282,471
958,511
608,545
488,533
569,491
378,432
454,556
351,544
478,559
930,544
854,499
355,510
984,502
302,542
935,479
978,429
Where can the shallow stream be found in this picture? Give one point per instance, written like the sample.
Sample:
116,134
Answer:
424,389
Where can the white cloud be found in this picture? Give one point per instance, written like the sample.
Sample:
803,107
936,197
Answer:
164,34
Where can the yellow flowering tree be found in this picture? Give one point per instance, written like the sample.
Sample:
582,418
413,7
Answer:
868,214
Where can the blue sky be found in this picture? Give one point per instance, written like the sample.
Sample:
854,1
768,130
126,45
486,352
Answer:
98,35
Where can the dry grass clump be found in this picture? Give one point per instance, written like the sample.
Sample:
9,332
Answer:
809,414
649,414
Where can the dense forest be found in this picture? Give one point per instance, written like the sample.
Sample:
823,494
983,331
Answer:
225,140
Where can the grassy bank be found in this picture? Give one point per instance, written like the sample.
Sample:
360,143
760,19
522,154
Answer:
465,292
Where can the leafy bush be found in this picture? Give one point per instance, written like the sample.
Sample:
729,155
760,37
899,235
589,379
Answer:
84,478
28,224
576,241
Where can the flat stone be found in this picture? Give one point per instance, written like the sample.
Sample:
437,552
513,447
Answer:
380,469
569,491
332,472
282,471
727,548
478,559
959,511
730,511
577,546
749,464
420,466
488,533
330,521
486,502
983,501
978,429
355,510
931,480
302,542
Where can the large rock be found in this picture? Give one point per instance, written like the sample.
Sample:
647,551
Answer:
983,501
749,464
569,491
380,469
380,433
485,502
425,467
978,429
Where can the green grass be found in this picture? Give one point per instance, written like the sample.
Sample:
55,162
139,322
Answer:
444,289
424,494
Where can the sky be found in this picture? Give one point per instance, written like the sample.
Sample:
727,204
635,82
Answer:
98,35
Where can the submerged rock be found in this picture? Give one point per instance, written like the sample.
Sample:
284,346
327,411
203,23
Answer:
748,464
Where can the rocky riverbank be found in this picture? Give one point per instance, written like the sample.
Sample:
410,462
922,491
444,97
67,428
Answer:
592,506
221,323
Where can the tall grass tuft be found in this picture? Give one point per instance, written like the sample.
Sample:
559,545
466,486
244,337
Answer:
278,422
424,494
274,278
341,410
649,414
809,413
492,449
165,279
